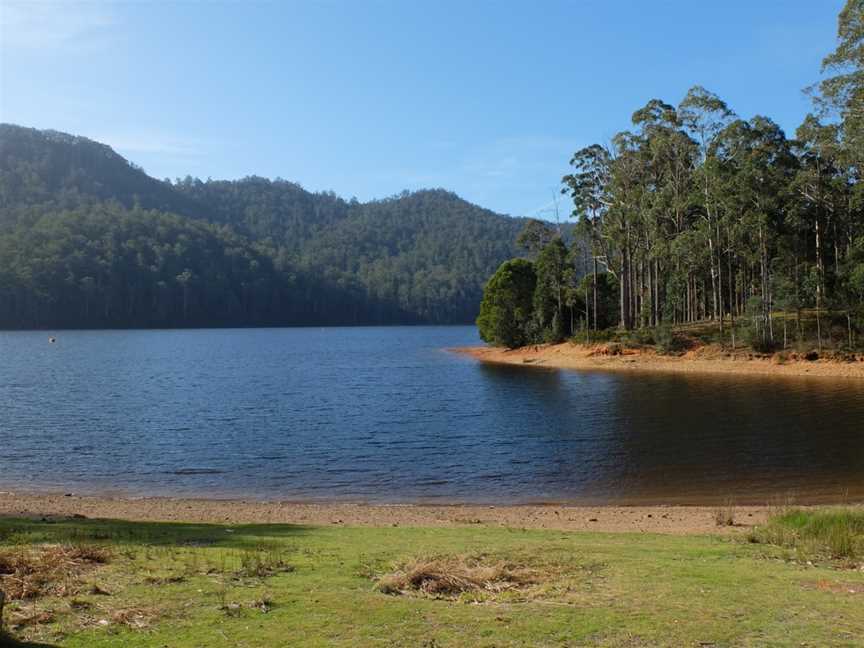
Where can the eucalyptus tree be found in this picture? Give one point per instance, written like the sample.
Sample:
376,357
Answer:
588,187
632,199
705,115
850,288
627,191
549,293
669,156
841,93
820,188
758,166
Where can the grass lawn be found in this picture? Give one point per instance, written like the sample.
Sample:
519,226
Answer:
107,583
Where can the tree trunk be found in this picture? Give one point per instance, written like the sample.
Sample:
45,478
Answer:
626,312
763,268
595,293
622,295
713,271
720,280
818,326
819,268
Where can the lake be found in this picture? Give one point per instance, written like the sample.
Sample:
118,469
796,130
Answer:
387,415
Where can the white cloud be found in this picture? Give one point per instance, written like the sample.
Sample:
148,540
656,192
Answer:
38,25
151,144
509,157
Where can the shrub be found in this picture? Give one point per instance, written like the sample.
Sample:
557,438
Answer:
833,533
506,311
666,340
724,515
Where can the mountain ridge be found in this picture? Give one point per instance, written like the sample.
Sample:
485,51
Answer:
415,257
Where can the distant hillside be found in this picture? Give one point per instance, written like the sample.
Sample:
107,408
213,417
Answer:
89,239
38,167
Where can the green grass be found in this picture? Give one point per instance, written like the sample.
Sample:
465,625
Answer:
832,534
196,585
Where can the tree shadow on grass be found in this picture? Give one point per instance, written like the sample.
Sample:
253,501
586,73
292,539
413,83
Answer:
21,532
10,642
123,532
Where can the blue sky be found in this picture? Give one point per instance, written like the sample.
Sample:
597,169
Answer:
368,98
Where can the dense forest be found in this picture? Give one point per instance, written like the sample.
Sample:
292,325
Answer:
88,239
696,214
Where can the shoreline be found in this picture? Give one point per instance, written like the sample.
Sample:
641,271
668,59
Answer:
666,519
703,360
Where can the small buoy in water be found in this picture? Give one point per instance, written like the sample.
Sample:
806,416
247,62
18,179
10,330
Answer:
52,340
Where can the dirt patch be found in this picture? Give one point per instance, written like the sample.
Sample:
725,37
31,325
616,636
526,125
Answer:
834,587
611,349
137,618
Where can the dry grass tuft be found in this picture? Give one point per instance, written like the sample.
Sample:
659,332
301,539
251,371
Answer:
136,618
450,576
165,580
47,570
724,515
79,605
40,617
265,604
262,563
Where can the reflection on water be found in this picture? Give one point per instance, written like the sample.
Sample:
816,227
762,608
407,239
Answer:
383,414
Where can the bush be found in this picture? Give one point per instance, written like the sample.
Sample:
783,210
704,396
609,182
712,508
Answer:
506,311
753,337
666,340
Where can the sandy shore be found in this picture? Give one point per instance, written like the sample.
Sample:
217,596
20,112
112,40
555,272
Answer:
645,519
702,360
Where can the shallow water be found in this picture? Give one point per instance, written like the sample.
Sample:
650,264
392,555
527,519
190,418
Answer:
384,414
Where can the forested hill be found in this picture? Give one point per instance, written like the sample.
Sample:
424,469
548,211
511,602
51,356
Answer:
88,239
39,167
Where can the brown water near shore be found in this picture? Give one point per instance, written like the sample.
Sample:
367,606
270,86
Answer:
708,425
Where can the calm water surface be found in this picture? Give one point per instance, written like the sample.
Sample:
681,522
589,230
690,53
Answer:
384,414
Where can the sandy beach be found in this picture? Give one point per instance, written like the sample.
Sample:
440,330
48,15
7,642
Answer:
639,519
607,357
